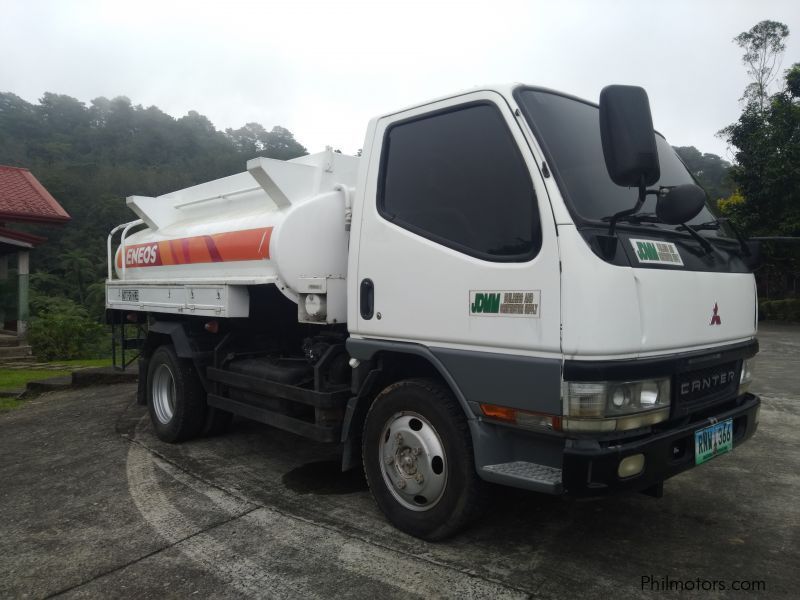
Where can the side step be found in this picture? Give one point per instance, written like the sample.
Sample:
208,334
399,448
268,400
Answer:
525,475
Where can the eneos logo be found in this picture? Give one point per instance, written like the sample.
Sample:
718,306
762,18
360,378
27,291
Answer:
144,255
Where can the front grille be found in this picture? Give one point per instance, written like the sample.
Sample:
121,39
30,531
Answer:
696,389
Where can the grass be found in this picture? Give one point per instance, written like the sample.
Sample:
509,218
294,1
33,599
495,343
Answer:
16,379
85,362
9,404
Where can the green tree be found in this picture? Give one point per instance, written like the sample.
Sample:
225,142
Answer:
280,143
711,172
253,140
78,268
91,157
763,47
766,139
767,169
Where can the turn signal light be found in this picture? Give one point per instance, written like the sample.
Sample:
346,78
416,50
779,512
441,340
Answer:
501,413
212,327
522,418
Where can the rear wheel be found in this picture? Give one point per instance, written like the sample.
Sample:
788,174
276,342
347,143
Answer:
175,396
418,460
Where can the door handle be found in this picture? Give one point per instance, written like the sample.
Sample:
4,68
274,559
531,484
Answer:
367,299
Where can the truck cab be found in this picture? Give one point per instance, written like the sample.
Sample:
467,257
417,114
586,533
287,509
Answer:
536,294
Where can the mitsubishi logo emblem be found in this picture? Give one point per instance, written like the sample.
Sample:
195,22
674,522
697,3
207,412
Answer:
715,320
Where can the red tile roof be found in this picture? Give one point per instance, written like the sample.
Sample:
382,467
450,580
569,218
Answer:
21,236
23,198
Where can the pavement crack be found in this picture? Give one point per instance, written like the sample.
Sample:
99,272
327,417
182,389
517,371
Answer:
151,554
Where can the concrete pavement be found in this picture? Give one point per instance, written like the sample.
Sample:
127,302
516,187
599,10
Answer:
94,505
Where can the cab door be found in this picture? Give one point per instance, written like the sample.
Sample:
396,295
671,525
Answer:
453,242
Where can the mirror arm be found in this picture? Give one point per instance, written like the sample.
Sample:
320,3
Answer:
631,211
608,242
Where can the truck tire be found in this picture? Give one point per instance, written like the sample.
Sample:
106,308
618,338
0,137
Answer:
418,460
175,396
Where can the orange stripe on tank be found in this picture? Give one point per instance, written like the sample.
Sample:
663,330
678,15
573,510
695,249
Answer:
229,246
165,250
251,244
198,251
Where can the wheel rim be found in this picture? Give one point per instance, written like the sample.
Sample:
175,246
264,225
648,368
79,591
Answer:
163,390
413,461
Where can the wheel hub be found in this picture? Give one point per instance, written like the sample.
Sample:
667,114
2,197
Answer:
163,392
413,461
406,461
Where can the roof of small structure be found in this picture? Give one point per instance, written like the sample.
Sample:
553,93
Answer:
24,199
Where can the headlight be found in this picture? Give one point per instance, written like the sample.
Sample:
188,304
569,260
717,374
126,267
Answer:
614,405
746,378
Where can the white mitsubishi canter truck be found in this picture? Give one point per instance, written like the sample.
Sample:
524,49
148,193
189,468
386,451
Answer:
511,286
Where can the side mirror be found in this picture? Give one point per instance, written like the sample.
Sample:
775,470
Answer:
629,142
680,204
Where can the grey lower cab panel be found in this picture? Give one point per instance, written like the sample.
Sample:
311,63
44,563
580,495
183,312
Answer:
526,475
524,382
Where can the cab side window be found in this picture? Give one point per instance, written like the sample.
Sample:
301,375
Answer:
457,178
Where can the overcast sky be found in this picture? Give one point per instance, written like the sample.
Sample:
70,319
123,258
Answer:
322,69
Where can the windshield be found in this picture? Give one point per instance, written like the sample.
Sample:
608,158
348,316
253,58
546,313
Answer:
569,130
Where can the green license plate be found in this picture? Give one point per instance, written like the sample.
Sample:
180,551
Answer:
712,441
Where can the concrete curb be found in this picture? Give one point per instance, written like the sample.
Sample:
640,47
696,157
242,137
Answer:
79,378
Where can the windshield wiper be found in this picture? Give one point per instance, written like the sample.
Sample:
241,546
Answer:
637,218
703,241
716,224
703,226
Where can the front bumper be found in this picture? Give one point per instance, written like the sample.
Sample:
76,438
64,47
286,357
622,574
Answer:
591,470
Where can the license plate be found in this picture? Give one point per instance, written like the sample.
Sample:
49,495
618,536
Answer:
712,441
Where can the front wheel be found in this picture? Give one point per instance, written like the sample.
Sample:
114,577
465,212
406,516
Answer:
418,460
175,396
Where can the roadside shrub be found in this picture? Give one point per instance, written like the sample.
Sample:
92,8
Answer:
63,330
765,311
787,309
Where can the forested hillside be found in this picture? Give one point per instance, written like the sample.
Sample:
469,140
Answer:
711,172
91,157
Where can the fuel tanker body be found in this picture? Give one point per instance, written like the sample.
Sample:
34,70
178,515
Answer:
279,223
511,285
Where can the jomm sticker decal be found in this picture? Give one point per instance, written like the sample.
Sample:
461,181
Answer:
500,303
656,252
